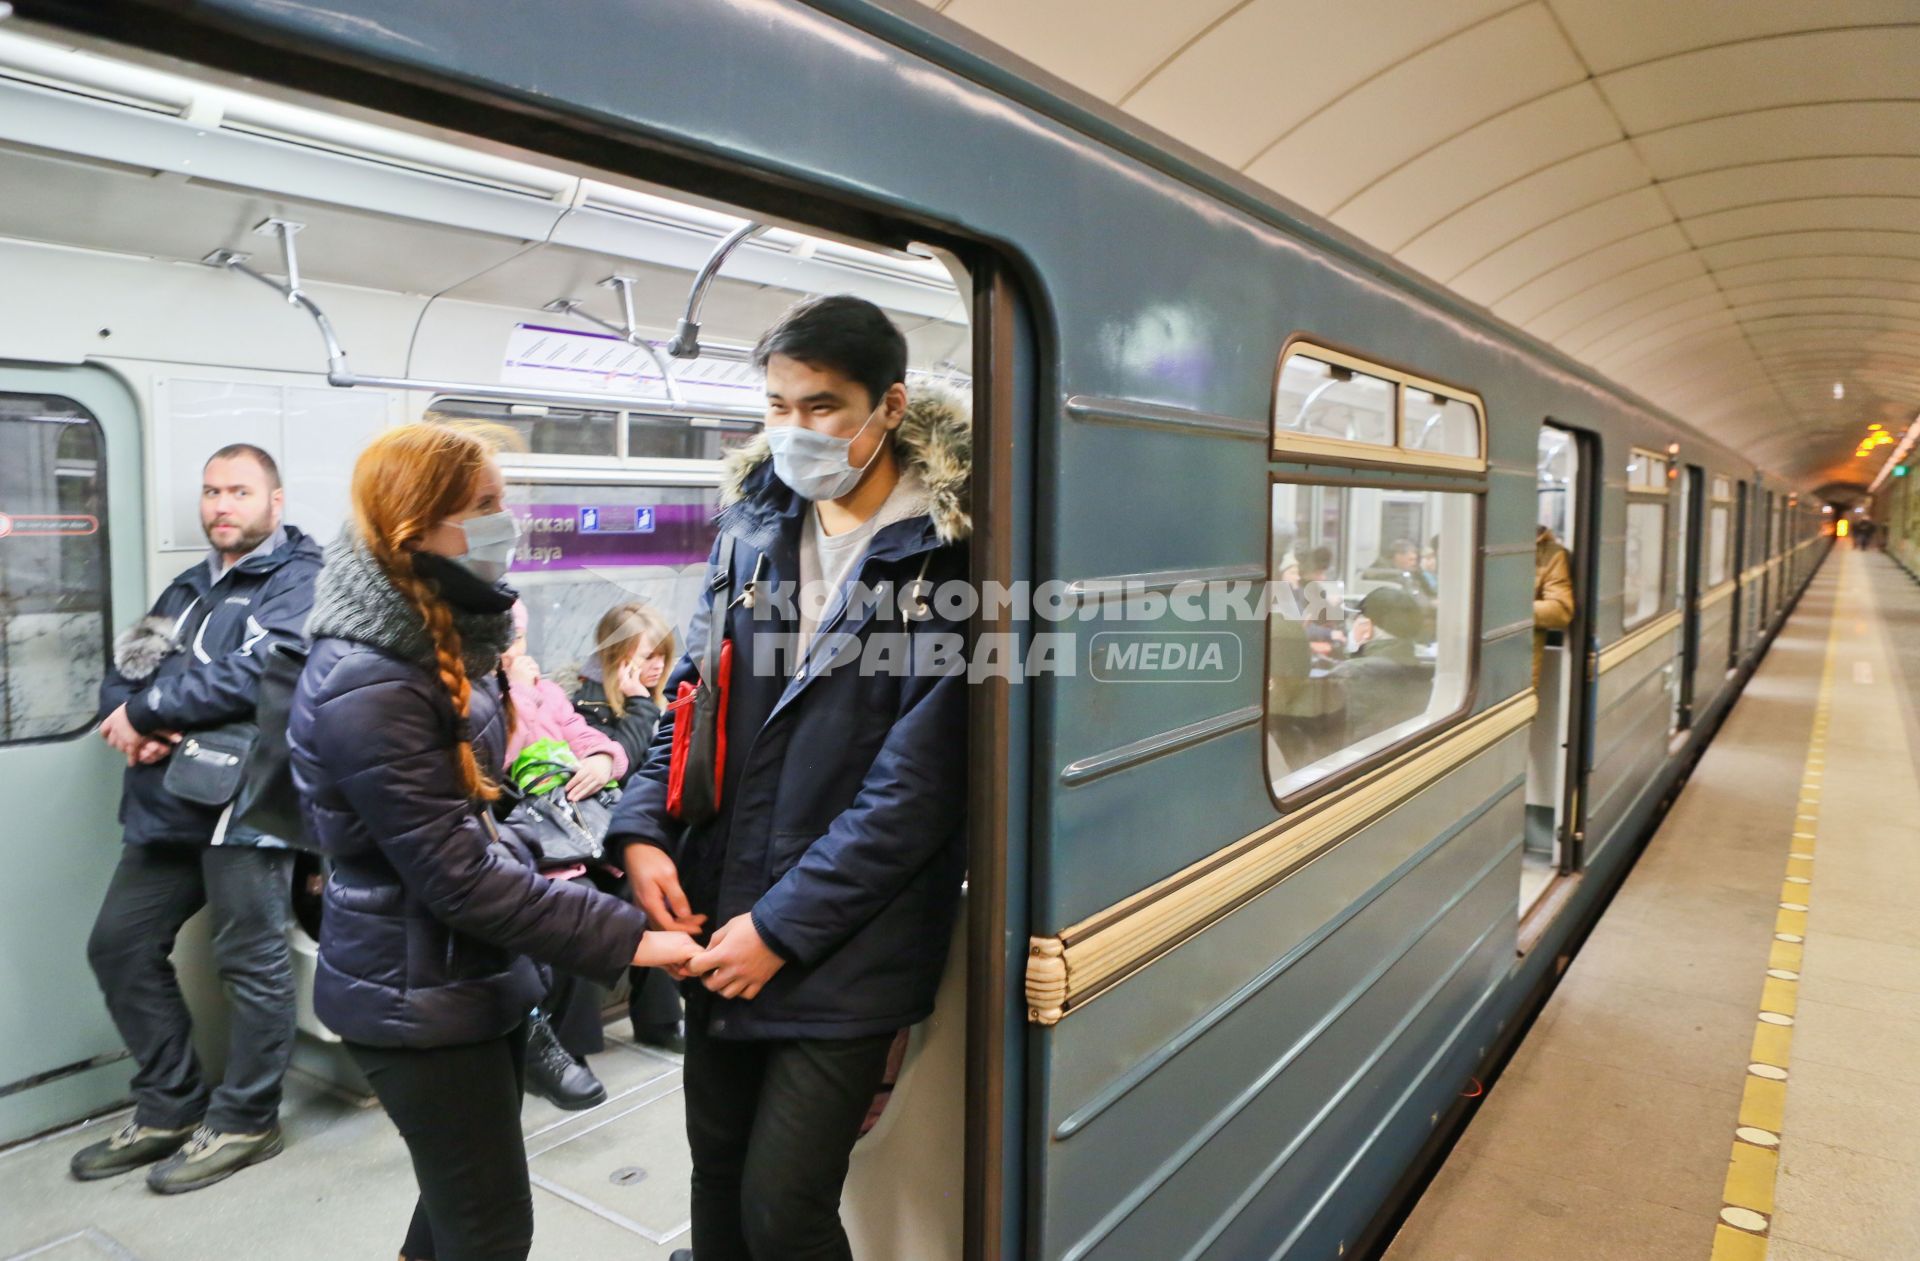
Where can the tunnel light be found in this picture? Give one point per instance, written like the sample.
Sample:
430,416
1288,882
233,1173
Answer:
1876,425
1839,390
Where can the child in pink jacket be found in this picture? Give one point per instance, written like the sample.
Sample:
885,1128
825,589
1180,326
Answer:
542,711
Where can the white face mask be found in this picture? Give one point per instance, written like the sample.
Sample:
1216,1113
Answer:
814,465
490,543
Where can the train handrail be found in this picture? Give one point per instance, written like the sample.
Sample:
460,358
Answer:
339,373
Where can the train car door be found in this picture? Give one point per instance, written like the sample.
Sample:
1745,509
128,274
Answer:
1558,749
1763,553
1742,600
1693,495
72,540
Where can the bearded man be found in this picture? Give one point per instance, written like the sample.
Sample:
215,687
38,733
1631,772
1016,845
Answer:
183,684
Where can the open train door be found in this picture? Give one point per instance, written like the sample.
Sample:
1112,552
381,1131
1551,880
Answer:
1560,747
69,464
1693,513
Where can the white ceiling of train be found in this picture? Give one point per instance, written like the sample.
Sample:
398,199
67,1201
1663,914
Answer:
153,159
1716,203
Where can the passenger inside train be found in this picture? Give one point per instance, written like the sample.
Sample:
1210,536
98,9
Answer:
612,461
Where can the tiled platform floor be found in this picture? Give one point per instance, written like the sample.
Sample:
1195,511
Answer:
1608,1136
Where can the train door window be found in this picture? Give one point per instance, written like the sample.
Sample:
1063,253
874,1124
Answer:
1719,531
1644,570
53,567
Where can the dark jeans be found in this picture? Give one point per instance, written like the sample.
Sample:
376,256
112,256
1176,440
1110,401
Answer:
772,1126
154,891
458,1109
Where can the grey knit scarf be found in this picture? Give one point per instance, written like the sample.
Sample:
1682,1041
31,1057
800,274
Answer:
354,599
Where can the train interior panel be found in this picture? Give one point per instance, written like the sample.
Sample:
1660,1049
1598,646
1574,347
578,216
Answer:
303,281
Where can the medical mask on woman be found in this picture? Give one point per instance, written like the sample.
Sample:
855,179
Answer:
490,543
814,465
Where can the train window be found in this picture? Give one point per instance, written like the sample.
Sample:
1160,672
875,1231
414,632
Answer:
53,568
1370,629
671,438
543,429
549,430
1435,422
1719,540
1646,557
586,546
1719,532
1644,571
1647,471
1320,399
1329,403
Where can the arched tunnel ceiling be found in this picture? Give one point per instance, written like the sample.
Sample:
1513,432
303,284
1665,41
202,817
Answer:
1715,203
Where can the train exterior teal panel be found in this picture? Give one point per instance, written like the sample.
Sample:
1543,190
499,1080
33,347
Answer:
1162,1141
1117,1038
1631,737
1710,669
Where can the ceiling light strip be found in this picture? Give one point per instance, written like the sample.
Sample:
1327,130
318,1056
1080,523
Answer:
1900,451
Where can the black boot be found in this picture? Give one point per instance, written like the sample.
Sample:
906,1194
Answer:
667,1038
556,1076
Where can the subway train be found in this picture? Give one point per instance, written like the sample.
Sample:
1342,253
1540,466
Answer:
1246,916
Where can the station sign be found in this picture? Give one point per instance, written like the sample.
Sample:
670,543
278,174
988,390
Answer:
41,525
611,536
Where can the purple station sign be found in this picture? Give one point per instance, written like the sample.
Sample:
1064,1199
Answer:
608,536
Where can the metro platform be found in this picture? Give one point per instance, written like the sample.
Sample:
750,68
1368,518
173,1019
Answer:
1724,1071
607,1182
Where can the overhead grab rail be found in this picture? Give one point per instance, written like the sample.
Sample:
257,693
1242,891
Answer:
686,338
629,334
340,374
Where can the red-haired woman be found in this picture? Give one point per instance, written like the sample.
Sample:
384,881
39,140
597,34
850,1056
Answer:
433,917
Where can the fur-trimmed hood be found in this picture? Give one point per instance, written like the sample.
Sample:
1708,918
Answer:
355,600
934,441
139,649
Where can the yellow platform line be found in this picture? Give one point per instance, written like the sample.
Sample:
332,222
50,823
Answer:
1746,1210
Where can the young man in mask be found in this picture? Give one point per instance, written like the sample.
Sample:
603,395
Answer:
194,663
829,881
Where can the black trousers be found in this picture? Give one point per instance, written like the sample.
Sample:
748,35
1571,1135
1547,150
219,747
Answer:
154,891
458,1110
772,1126
573,1003
573,1006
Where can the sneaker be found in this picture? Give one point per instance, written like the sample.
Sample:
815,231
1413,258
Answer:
556,1076
210,1156
133,1146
